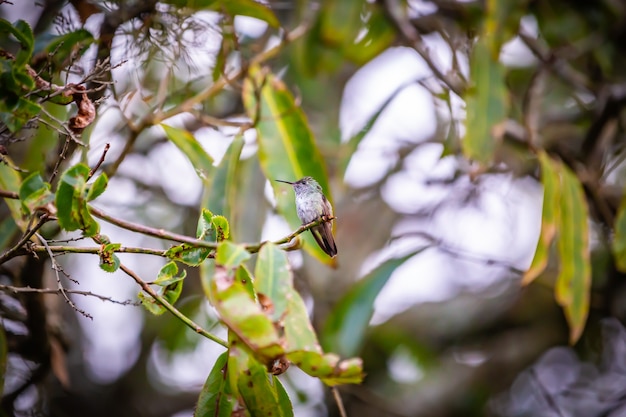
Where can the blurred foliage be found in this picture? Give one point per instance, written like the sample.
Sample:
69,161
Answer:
195,80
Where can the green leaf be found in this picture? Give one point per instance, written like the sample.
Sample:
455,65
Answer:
219,194
328,367
341,21
168,275
187,254
98,187
250,8
3,357
63,48
172,291
24,35
502,19
486,102
201,161
574,280
221,227
287,148
242,275
243,315
152,305
17,115
619,239
344,331
352,144
231,255
109,261
34,193
71,201
551,181
216,398
8,231
205,225
263,394
379,35
299,334
10,181
273,278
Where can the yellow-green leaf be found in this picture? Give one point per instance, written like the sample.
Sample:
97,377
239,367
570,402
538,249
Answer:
201,161
287,149
328,367
551,181
218,196
243,315
10,181
273,278
574,279
230,254
486,102
216,398
619,240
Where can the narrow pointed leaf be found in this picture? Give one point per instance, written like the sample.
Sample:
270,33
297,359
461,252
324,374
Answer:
34,193
551,181
196,154
71,201
273,278
574,279
619,240
486,102
328,367
231,255
344,331
243,315
287,148
299,334
216,398
218,196
10,181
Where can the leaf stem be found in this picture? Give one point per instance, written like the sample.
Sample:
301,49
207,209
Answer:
190,323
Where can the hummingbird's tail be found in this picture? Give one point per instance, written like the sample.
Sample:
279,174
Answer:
323,235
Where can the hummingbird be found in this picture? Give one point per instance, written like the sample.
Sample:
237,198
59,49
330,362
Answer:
312,204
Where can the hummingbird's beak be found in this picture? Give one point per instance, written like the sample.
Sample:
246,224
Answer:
286,182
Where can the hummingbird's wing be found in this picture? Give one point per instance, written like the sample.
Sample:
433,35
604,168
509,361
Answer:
323,233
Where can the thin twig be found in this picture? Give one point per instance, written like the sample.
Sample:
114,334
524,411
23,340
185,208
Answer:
104,154
55,170
9,194
444,247
190,323
163,234
255,247
9,253
30,290
339,401
150,231
63,250
56,268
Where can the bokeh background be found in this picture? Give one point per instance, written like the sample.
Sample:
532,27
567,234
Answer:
385,87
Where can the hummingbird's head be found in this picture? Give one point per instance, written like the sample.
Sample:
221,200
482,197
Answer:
305,184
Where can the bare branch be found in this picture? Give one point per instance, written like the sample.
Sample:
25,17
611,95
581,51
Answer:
30,290
190,323
25,238
56,268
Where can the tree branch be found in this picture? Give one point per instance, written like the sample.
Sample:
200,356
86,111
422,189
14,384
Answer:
30,290
25,238
190,323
